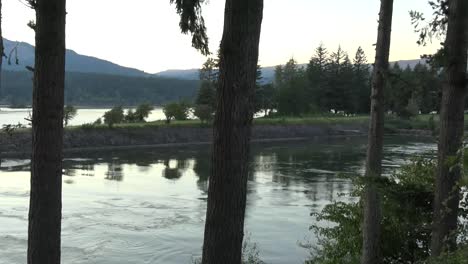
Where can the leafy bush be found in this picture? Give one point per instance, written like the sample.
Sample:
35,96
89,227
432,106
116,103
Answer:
203,112
406,219
114,116
142,112
177,111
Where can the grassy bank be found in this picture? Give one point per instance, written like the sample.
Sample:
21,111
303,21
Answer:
392,123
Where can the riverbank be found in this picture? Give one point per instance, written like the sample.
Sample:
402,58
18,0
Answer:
149,135
193,132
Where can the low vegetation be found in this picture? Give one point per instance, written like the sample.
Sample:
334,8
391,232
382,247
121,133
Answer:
407,198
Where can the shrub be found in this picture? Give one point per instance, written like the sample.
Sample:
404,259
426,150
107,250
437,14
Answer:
406,219
142,112
114,116
69,112
203,112
177,111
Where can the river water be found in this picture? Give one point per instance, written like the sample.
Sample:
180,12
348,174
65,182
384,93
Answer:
148,206
84,115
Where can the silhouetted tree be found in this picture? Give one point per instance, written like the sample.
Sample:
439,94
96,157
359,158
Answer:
45,208
372,215
450,148
224,228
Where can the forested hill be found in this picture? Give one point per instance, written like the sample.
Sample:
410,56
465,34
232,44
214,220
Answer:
90,81
21,54
93,89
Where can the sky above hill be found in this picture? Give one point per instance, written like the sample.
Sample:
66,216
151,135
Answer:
144,34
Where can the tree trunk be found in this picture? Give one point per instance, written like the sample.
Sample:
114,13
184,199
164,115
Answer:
450,162
47,125
224,228
372,214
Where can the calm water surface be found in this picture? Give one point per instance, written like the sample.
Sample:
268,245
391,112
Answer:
84,115
148,206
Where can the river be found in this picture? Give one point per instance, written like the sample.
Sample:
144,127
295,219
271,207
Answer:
148,206
84,115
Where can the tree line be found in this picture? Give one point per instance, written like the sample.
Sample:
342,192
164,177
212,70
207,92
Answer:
331,82
89,89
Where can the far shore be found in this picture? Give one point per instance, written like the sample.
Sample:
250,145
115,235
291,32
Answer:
158,134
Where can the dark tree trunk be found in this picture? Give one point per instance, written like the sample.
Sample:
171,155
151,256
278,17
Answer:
224,229
46,163
372,214
447,192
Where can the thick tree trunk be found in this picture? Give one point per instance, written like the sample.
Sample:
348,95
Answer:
450,163
224,229
46,163
372,214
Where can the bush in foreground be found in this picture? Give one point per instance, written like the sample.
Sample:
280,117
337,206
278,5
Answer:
406,220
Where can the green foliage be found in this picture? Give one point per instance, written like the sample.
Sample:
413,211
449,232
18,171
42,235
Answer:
460,256
291,86
206,94
203,112
177,111
191,20
69,112
142,112
130,116
412,90
114,116
411,110
98,122
406,221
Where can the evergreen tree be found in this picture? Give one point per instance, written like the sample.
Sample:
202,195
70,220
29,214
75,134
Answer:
336,88
291,88
317,74
361,82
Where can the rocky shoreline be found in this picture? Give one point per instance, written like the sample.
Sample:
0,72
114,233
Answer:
80,139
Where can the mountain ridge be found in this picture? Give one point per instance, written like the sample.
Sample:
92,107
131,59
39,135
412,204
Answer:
76,62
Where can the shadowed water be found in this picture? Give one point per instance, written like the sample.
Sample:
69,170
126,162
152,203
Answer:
148,206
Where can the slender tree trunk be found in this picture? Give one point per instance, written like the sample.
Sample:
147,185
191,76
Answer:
46,163
224,229
450,163
372,215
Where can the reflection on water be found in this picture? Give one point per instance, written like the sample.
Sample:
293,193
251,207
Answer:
148,206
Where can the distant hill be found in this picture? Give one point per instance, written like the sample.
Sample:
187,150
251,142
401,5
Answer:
268,73
95,89
74,61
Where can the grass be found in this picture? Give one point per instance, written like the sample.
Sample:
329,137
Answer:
392,123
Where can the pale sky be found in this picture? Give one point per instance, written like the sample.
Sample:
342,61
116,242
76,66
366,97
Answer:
144,34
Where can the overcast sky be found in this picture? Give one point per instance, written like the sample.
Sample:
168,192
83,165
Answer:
144,34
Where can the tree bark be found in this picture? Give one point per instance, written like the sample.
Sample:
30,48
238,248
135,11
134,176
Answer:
224,228
47,126
450,162
372,215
